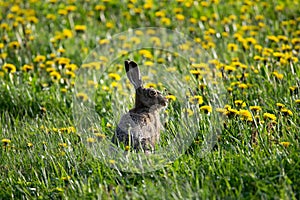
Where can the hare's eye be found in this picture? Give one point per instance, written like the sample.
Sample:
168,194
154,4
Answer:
152,93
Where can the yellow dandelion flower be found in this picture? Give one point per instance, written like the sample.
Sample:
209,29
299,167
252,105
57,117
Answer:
64,145
279,8
229,89
127,148
100,7
273,38
92,83
105,88
135,40
114,76
15,9
280,105
278,54
171,97
71,8
221,110
14,45
240,103
199,65
245,113
259,17
258,47
285,144
149,63
257,58
295,59
188,112
71,129
171,69
29,144
193,20
116,85
39,58
155,40
196,99
80,28
180,17
160,60
32,19
232,47
63,61
27,68
66,178
112,162
55,75
286,111
51,16
269,116
277,75
229,68
227,106
82,96
91,140
166,21
63,90
146,53
100,136
103,41
251,40
71,67
62,12
195,72
50,69
108,125
255,108
203,18
243,86
160,13
5,141
293,88
4,26
204,3
53,1
109,25
3,55
231,111
225,34
150,85
10,68
295,41
206,108
70,74
61,50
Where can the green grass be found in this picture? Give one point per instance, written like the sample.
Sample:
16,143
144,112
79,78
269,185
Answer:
44,151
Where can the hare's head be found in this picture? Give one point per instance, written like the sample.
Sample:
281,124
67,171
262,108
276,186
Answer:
145,97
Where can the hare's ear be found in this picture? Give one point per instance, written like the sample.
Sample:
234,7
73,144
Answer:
133,73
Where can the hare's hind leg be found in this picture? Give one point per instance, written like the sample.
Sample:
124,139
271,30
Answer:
125,138
120,137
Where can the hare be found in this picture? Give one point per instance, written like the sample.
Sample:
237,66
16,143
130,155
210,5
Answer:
140,127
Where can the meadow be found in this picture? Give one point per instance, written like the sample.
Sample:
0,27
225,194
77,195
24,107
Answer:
251,48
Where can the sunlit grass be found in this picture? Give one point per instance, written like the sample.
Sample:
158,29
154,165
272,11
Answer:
253,51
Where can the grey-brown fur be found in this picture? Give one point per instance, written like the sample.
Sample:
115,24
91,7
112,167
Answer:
140,127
